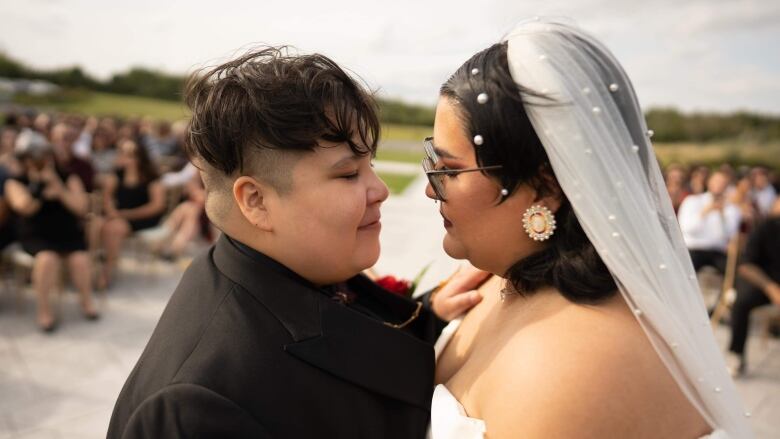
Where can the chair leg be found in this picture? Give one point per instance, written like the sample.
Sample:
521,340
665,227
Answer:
728,293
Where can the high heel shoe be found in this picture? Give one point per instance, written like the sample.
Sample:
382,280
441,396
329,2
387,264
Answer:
48,327
89,312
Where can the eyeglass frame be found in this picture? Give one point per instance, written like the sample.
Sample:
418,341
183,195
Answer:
428,163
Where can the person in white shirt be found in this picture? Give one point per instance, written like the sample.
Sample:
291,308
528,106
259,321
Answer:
708,221
764,194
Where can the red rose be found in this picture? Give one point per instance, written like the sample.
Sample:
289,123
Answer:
401,287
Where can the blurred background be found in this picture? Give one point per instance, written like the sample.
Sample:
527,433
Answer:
90,102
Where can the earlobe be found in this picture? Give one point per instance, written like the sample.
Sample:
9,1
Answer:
251,198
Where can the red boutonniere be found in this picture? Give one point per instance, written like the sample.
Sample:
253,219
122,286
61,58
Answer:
402,287
395,285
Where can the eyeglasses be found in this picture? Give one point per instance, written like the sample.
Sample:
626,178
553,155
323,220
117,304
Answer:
436,176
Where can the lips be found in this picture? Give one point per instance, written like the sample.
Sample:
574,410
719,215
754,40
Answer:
447,222
370,222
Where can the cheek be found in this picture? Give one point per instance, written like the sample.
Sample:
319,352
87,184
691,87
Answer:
333,215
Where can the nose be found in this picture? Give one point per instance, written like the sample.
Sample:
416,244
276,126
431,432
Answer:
377,189
429,192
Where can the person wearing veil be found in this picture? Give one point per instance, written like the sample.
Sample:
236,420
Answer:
592,324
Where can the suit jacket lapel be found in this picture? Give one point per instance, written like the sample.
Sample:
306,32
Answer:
367,353
332,337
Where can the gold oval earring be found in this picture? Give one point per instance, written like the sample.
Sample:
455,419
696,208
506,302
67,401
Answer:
539,222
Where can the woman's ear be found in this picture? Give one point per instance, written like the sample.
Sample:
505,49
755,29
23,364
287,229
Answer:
551,194
252,199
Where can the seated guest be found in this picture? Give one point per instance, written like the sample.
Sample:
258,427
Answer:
677,184
186,221
50,205
698,179
7,229
161,143
708,222
103,153
133,200
7,156
63,137
758,283
764,194
741,196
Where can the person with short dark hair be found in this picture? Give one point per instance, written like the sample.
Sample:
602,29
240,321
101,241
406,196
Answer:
273,332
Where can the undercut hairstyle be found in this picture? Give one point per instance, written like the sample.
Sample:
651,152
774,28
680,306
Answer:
256,114
569,263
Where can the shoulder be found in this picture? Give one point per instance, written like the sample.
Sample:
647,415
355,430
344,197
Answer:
189,410
585,366
694,199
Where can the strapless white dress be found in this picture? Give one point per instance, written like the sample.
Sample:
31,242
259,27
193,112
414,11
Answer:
449,419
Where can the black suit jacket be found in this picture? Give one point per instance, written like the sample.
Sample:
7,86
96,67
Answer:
246,348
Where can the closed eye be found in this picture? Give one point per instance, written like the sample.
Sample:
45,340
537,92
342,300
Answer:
449,172
350,176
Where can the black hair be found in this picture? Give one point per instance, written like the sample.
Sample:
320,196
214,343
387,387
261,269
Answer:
271,100
569,263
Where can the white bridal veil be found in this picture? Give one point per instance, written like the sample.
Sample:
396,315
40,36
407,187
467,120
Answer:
598,144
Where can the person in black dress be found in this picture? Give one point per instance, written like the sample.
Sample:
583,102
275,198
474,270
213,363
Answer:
133,200
50,205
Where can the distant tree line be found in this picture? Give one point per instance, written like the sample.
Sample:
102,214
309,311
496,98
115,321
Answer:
137,81
669,124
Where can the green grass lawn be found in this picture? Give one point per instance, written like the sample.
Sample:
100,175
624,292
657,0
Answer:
396,182
407,133
399,155
99,104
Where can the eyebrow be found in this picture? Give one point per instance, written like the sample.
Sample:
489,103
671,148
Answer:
442,152
344,161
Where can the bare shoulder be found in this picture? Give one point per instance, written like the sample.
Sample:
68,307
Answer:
583,371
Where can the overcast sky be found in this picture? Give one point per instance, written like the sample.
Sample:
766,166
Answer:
721,55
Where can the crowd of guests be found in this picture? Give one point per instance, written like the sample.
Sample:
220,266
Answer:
73,189
737,210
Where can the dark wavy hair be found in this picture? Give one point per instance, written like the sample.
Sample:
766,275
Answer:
269,99
569,263
146,167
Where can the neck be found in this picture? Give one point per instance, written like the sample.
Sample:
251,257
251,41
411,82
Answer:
262,241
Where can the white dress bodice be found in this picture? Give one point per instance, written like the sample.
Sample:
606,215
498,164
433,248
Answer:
449,419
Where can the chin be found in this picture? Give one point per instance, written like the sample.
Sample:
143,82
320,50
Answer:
366,258
453,248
